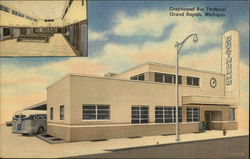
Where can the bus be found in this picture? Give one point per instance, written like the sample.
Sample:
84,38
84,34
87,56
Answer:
29,122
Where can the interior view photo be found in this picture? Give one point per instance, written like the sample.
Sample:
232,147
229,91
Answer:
43,28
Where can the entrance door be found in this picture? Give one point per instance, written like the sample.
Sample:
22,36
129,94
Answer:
208,120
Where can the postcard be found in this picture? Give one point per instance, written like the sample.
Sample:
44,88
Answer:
106,78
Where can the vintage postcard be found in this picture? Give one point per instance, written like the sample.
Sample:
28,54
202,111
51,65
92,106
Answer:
144,62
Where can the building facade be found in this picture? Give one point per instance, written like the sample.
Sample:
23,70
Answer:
141,101
138,102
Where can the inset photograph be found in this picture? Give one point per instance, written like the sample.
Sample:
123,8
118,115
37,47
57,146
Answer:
43,28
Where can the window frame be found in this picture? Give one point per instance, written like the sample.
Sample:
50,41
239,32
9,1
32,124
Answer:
61,115
96,112
192,81
140,119
232,118
166,78
51,113
137,77
167,110
192,110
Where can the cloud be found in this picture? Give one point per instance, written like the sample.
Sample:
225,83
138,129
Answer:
152,23
94,36
209,60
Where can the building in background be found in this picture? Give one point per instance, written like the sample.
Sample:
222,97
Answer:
141,101
28,19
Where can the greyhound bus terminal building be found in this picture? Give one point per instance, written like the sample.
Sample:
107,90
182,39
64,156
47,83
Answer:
141,101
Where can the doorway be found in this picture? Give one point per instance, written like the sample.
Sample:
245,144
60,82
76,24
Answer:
208,120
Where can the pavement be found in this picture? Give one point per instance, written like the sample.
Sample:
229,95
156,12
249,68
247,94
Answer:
18,146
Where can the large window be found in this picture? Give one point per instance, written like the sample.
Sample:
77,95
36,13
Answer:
193,81
61,112
51,113
231,114
139,114
193,114
166,114
96,112
167,78
138,77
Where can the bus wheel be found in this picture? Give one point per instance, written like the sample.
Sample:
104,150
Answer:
40,130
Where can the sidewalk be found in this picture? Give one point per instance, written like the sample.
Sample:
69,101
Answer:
14,145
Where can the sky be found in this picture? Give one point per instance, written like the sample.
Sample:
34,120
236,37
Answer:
123,34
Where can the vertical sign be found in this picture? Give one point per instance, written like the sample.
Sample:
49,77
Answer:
231,62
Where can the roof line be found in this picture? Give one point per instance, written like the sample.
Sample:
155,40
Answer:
161,64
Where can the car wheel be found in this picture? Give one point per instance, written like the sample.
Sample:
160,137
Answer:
40,130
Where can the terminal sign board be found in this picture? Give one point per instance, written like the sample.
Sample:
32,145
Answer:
231,62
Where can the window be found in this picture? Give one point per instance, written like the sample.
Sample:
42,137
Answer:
179,79
138,77
167,78
193,114
14,12
61,112
231,114
193,81
51,113
139,114
166,114
49,20
158,77
6,31
21,15
96,112
4,8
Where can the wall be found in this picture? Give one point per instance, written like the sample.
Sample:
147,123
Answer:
58,95
133,71
121,94
76,13
205,76
81,133
73,91
56,23
225,125
8,19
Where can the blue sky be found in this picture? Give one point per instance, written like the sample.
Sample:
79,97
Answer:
102,17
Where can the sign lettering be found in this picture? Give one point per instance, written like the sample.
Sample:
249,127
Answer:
229,65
